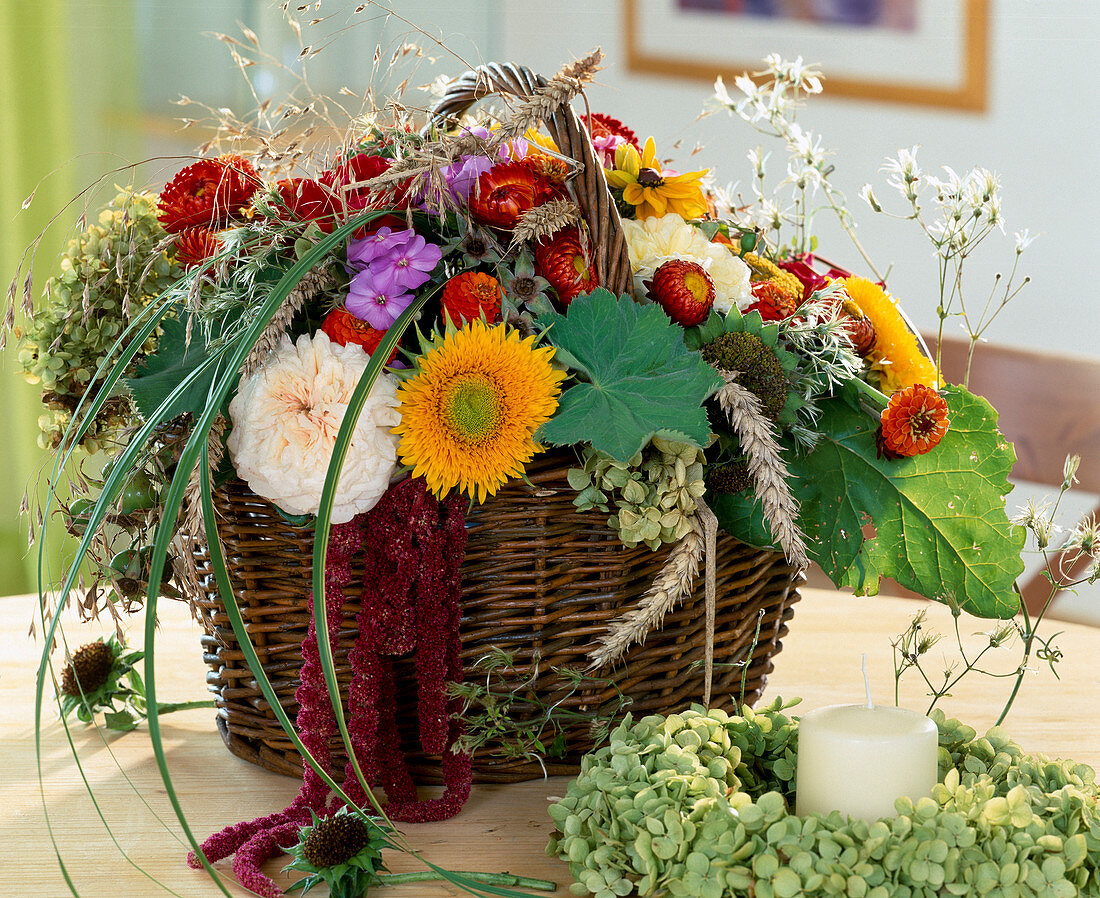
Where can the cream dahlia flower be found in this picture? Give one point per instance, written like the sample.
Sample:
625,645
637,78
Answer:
285,420
653,241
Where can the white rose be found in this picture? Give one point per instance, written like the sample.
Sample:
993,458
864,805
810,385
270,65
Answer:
285,420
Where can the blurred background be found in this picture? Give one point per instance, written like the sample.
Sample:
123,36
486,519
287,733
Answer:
89,87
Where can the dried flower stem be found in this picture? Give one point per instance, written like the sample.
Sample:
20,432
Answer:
766,467
672,584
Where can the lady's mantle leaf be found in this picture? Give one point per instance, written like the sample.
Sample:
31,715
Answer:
637,378
938,519
175,358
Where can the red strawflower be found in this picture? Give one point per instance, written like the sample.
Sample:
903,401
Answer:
566,264
913,422
684,290
195,245
303,199
801,268
207,193
551,172
600,125
467,295
504,193
348,184
772,301
342,327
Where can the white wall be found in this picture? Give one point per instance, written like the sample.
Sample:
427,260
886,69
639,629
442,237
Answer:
1040,132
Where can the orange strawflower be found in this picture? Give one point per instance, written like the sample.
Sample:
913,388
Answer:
196,245
504,193
342,327
207,193
467,295
566,264
913,422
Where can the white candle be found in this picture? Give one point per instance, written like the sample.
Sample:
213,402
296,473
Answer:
859,759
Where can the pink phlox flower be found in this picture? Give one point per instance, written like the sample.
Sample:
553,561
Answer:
377,298
413,266
385,243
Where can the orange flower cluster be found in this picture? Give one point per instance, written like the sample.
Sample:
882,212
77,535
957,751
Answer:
467,295
913,422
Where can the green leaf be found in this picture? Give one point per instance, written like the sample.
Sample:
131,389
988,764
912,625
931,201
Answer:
938,520
638,379
163,371
121,721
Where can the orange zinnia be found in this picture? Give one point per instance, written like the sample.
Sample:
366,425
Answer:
913,422
342,327
467,295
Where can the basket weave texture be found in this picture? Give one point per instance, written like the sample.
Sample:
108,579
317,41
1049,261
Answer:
540,580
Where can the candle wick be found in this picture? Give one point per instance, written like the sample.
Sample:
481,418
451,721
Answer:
866,682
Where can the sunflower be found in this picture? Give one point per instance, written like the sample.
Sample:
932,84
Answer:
471,405
896,358
650,189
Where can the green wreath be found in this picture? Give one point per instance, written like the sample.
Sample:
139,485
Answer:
697,804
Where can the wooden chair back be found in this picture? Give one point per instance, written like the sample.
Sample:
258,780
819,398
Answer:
1049,407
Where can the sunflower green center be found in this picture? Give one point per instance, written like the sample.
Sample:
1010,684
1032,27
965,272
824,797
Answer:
472,408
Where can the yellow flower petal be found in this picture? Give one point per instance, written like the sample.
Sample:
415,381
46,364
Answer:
895,356
469,411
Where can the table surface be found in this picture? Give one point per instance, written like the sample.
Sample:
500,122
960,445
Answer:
501,827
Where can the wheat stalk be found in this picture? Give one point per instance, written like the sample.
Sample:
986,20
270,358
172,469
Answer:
311,284
540,222
530,113
674,582
765,464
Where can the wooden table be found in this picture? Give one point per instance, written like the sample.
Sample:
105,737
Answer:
501,827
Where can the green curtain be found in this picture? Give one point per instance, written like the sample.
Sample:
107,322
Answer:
68,74
35,139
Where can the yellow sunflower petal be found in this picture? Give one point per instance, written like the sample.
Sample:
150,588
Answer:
469,410
649,155
895,357
634,193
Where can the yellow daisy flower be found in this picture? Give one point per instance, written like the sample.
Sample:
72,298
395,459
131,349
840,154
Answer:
470,407
896,358
651,190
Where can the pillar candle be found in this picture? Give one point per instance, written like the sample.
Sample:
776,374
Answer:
859,759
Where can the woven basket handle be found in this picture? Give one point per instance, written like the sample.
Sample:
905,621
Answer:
597,205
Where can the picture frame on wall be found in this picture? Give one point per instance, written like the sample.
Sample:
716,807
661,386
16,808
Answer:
922,52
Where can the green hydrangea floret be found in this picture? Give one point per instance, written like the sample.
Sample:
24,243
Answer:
699,803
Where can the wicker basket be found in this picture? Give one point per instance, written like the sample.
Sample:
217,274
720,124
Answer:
540,580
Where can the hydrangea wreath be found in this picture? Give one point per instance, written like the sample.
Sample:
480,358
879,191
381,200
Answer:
698,804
